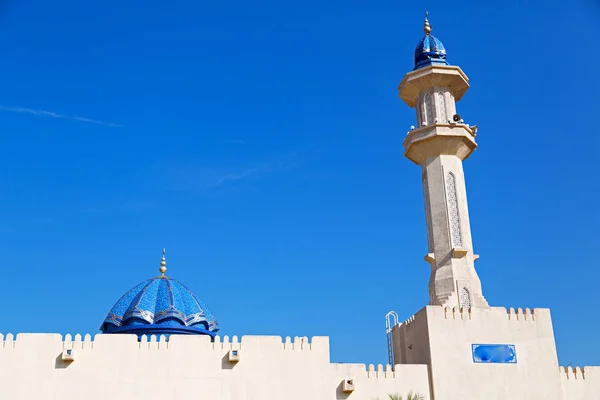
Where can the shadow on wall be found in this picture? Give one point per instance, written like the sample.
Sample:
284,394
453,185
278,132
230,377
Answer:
60,363
225,363
339,392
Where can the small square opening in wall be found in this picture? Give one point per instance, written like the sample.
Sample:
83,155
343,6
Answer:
68,355
348,385
234,355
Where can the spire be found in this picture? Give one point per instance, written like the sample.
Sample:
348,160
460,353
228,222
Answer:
427,27
430,50
163,264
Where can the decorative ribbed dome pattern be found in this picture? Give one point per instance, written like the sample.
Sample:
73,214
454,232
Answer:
160,305
430,49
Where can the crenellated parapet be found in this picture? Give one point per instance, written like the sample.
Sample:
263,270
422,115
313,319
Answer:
577,373
224,368
219,343
473,325
580,383
380,371
512,314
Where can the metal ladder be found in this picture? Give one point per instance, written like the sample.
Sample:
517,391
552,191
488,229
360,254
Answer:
391,320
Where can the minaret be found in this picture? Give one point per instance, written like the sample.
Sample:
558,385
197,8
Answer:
439,144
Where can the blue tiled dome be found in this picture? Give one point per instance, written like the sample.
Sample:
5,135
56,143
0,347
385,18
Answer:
430,50
160,305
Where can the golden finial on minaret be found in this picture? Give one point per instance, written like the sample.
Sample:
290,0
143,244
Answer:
427,27
163,264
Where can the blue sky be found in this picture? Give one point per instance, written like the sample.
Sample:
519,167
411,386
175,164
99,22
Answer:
262,146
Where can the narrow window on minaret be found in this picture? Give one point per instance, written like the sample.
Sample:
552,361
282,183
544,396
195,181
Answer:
427,213
465,299
428,109
441,108
453,211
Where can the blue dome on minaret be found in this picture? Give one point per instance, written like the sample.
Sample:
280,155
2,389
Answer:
430,49
160,305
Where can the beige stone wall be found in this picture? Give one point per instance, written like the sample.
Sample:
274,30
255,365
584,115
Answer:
269,368
580,384
187,367
442,337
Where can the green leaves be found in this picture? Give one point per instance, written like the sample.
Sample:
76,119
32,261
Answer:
410,396
414,396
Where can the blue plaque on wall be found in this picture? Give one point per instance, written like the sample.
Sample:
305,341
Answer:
494,353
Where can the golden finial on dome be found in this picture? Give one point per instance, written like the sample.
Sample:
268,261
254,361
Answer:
163,264
427,27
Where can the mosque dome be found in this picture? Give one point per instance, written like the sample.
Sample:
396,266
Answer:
430,50
160,305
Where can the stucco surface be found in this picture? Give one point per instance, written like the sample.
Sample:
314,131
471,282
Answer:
442,337
118,367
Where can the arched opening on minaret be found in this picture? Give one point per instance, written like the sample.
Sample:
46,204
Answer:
441,108
428,109
453,216
427,212
465,298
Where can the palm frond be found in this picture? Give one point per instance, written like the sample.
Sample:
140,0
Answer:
414,396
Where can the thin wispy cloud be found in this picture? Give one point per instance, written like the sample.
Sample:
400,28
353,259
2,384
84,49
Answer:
224,177
45,113
195,177
209,178
126,206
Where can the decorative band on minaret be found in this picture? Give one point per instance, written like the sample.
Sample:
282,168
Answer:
439,144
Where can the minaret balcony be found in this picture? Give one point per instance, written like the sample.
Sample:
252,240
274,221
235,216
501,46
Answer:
439,139
449,76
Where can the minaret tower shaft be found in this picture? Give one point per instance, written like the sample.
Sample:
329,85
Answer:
439,144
